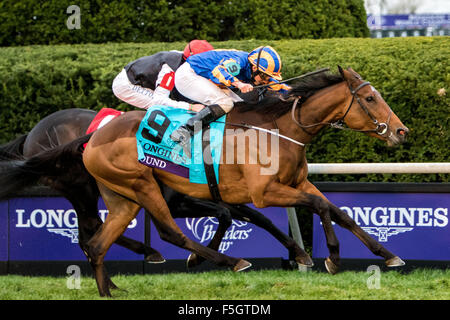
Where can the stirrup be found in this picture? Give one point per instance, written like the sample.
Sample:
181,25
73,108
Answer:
181,135
204,116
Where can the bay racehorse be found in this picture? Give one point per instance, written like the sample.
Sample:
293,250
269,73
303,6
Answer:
77,185
324,100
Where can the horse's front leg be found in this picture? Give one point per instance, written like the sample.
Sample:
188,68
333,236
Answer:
344,220
277,194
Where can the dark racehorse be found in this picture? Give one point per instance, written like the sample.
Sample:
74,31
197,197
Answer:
78,186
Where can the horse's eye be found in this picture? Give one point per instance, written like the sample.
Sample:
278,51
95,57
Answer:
369,99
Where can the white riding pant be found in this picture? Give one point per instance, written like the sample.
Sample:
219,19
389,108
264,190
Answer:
144,98
202,90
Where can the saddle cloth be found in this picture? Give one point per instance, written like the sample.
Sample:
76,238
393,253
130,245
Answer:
157,150
104,116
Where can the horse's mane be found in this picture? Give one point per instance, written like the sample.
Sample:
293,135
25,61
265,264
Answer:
305,88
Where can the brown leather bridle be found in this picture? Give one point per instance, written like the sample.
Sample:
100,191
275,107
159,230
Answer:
381,128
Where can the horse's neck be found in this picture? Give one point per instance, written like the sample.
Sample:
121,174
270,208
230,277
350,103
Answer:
250,118
324,107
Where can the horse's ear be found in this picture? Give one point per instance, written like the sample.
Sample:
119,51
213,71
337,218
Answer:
355,73
341,71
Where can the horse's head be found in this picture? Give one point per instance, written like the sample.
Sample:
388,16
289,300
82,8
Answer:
367,111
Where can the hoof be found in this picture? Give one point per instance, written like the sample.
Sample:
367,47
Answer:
155,258
331,267
105,293
304,261
193,260
395,262
112,286
241,265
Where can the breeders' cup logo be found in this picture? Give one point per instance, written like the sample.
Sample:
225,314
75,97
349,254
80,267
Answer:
58,221
204,229
384,222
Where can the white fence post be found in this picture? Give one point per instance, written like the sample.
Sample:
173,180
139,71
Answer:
296,233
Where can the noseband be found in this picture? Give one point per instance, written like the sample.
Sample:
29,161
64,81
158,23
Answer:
381,128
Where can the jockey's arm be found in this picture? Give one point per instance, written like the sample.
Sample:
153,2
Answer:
223,75
244,87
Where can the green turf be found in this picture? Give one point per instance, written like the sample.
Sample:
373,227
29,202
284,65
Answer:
272,285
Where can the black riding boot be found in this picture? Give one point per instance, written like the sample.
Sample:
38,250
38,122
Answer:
205,116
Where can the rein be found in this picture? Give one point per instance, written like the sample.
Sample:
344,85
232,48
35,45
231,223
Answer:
381,128
249,126
290,79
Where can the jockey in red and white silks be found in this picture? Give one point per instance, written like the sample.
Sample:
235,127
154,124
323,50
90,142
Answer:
149,80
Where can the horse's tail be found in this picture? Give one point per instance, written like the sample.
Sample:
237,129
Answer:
45,167
13,150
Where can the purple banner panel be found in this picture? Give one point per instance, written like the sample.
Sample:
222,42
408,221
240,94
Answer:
408,21
4,231
413,226
47,229
242,239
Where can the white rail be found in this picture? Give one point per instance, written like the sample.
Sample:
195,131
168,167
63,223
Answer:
363,168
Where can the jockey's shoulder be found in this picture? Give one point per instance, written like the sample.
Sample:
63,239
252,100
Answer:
219,53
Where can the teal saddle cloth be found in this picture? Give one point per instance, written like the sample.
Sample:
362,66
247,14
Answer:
157,150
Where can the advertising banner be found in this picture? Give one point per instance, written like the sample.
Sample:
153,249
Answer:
242,239
412,225
47,229
405,21
3,230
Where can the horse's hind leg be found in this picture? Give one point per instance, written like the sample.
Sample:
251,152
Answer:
182,206
189,207
244,213
121,212
224,217
150,255
88,224
84,200
149,196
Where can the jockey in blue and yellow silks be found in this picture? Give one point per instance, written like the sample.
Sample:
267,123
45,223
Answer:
207,78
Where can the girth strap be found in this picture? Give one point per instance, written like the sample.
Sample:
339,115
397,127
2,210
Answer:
209,166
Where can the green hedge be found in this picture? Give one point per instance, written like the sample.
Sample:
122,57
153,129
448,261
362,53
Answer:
44,22
38,80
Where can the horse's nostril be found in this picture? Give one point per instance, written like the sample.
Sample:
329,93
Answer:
402,132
